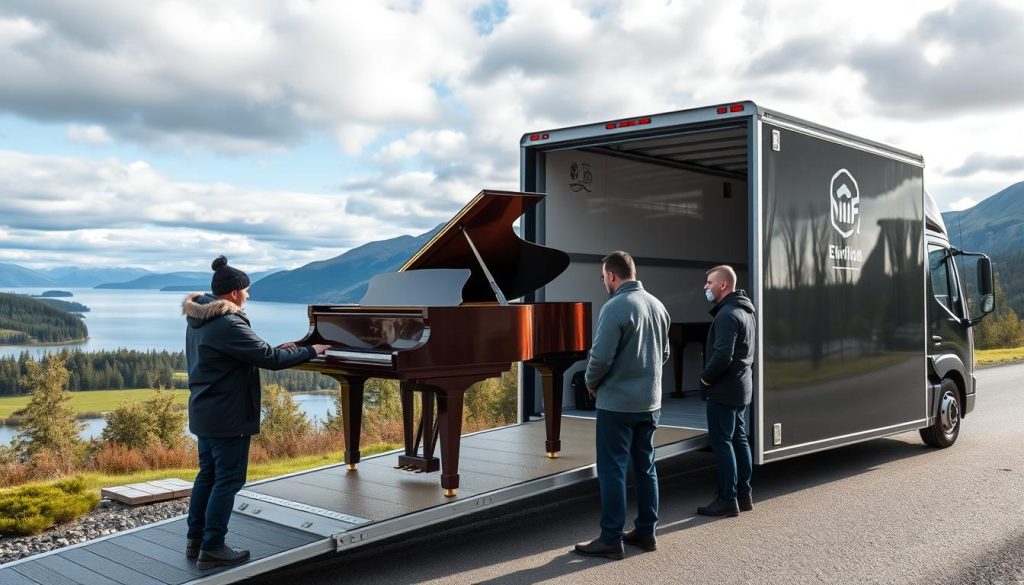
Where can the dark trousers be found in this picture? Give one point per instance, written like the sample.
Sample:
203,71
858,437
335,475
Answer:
728,436
626,438
223,462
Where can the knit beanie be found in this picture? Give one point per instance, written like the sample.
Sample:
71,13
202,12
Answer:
226,278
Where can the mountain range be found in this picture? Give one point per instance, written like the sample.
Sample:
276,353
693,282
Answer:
342,279
994,226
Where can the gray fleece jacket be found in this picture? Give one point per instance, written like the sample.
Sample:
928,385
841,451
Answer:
630,347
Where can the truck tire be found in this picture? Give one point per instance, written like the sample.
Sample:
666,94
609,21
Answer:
946,428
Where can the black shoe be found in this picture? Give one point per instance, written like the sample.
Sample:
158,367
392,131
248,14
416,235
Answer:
746,502
596,548
225,556
192,548
648,543
720,508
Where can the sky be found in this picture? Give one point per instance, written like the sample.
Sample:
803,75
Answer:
160,134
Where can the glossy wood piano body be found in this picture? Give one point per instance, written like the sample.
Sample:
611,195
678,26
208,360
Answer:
442,324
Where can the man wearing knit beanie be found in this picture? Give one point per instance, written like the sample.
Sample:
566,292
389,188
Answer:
224,356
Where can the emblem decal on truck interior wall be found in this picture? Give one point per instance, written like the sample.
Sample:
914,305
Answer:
580,177
845,198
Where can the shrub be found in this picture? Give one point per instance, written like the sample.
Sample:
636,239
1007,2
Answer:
168,418
14,473
115,458
34,508
53,463
160,456
48,421
282,420
131,424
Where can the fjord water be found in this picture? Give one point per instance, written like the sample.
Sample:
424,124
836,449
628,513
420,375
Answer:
146,320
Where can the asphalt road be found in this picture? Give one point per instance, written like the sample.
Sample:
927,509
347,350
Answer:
885,511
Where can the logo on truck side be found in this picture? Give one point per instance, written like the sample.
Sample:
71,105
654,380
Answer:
845,197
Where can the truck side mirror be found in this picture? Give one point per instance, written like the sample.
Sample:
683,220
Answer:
986,285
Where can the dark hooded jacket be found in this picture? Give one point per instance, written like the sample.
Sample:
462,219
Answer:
730,352
224,357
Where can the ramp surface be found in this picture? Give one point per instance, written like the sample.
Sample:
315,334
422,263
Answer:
289,519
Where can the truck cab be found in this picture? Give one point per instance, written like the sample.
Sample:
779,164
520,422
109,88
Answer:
960,294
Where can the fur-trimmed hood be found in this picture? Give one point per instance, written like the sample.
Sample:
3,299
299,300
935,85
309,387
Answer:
200,307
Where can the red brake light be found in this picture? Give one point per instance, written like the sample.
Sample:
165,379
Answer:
723,110
730,108
536,137
736,108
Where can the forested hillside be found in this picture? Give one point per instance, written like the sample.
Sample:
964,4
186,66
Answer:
27,320
115,370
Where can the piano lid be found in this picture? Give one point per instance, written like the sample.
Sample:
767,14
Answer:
517,266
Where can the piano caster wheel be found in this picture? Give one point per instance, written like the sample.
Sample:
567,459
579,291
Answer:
449,493
351,466
552,454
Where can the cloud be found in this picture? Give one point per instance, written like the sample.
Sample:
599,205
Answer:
84,208
89,134
235,72
962,204
422,102
979,162
957,60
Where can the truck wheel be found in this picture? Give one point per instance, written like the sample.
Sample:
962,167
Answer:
946,428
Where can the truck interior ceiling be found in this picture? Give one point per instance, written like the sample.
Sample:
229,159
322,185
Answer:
678,202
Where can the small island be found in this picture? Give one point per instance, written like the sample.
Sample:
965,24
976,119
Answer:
28,321
56,293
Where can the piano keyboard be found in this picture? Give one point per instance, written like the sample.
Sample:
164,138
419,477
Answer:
363,356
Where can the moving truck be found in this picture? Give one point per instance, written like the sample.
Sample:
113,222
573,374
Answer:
864,309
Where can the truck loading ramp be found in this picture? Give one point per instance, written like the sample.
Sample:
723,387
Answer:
292,518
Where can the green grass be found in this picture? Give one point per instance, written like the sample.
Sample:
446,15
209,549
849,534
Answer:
990,357
92,401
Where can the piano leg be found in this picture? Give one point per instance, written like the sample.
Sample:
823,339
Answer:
449,423
351,415
552,374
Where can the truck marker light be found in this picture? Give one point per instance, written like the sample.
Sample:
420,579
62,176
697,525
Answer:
536,137
732,108
627,123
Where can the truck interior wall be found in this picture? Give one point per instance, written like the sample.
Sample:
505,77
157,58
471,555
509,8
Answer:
676,223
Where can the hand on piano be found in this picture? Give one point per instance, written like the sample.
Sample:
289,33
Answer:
320,348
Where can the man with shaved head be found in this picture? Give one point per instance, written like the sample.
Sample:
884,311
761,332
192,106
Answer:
727,384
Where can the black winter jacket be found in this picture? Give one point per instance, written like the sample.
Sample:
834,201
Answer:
224,356
730,352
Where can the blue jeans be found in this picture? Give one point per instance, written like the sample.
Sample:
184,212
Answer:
626,437
223,462
728,437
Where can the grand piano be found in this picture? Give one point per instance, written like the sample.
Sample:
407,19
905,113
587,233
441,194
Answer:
443,322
